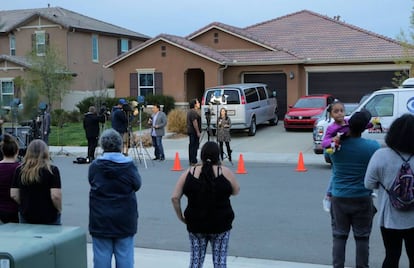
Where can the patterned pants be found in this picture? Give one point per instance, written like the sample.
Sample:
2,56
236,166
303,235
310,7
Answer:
219,244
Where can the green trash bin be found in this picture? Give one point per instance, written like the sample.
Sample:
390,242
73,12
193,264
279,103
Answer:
46,246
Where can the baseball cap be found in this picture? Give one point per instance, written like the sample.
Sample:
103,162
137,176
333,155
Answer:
122,101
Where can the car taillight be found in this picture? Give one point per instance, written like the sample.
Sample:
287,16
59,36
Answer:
243,101
202,101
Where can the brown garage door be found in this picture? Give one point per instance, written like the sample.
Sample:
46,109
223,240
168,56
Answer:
275,81
349,86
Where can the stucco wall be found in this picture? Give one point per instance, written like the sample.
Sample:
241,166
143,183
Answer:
176,62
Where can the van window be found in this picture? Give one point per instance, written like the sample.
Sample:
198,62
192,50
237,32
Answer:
251,95
262,93
381,105
232,96
270,93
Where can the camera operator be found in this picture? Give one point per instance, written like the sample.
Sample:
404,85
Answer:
120,122
43,121
91,122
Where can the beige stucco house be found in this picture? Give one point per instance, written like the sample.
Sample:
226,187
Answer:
297,54
83,42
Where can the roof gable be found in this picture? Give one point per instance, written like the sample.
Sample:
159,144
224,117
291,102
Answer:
12,19
182,43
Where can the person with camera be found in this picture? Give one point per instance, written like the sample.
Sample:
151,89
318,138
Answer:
157,122
91,122
120,123
223,132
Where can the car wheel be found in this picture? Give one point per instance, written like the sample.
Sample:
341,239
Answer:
252,128
274,121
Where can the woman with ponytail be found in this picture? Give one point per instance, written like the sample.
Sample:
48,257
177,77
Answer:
209,214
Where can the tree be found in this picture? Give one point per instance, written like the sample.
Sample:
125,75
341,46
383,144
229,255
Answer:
48,75
407,41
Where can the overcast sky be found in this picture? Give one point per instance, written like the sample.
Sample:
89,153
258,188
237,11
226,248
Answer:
183,17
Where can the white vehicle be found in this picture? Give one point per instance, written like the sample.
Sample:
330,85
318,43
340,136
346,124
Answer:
248,105
385,106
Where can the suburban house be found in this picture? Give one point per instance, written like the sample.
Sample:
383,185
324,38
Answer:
84,43
297,54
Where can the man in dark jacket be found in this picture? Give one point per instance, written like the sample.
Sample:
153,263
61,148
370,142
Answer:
113,208
91,122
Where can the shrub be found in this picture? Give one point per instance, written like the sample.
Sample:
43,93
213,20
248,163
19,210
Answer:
167,101
98,102
74,116
177,121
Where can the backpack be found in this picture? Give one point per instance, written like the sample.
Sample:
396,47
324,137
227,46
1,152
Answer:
401,193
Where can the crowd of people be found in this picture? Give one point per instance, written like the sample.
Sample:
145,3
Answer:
30,190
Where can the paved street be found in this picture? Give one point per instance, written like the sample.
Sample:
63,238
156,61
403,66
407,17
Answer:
278,212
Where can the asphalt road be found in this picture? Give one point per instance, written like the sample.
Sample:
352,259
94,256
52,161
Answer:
279,212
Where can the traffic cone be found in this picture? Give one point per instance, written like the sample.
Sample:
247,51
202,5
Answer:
177,164
240,167
301,165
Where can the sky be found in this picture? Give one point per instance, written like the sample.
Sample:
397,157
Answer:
183,17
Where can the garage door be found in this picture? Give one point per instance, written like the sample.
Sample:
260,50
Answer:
349,86
275,81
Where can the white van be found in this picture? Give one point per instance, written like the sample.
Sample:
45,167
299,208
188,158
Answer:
385,106
247,105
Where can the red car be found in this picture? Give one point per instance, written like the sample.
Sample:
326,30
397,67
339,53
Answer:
306,111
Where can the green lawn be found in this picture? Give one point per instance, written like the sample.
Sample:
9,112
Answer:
71,134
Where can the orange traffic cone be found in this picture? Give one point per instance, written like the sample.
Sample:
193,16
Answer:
177,164
240,167
301,165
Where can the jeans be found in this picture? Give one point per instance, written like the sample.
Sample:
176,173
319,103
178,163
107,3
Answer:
193,148
121,248
357,213
158,148
393,241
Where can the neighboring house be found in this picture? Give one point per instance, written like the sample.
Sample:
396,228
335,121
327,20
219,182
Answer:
84,43
297,54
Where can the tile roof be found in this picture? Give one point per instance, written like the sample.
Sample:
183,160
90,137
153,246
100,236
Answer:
16,59
11,19
323,39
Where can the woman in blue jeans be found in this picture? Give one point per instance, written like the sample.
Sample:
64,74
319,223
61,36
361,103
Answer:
113,208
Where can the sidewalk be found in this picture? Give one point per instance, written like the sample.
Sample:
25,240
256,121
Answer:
149,258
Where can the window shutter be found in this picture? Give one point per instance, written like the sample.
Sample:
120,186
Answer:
158,83
47,40
133,84
33,42
129,44
119,47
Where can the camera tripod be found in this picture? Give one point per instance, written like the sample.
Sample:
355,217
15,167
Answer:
138,150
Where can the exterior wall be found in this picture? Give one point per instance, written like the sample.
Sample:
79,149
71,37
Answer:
225,41
4,45
173,66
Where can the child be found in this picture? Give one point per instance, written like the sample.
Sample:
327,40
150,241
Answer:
331,141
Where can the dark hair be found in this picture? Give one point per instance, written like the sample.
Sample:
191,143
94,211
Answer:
158,106
209,156
192,103
9,146
359,121
400,134
225,113
330,106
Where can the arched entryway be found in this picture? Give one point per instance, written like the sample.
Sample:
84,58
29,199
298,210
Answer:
195,84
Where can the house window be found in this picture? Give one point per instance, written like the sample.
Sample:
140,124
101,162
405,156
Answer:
12,45
163,51
124,45
6,92
40,39
216,38
145,84
95,48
